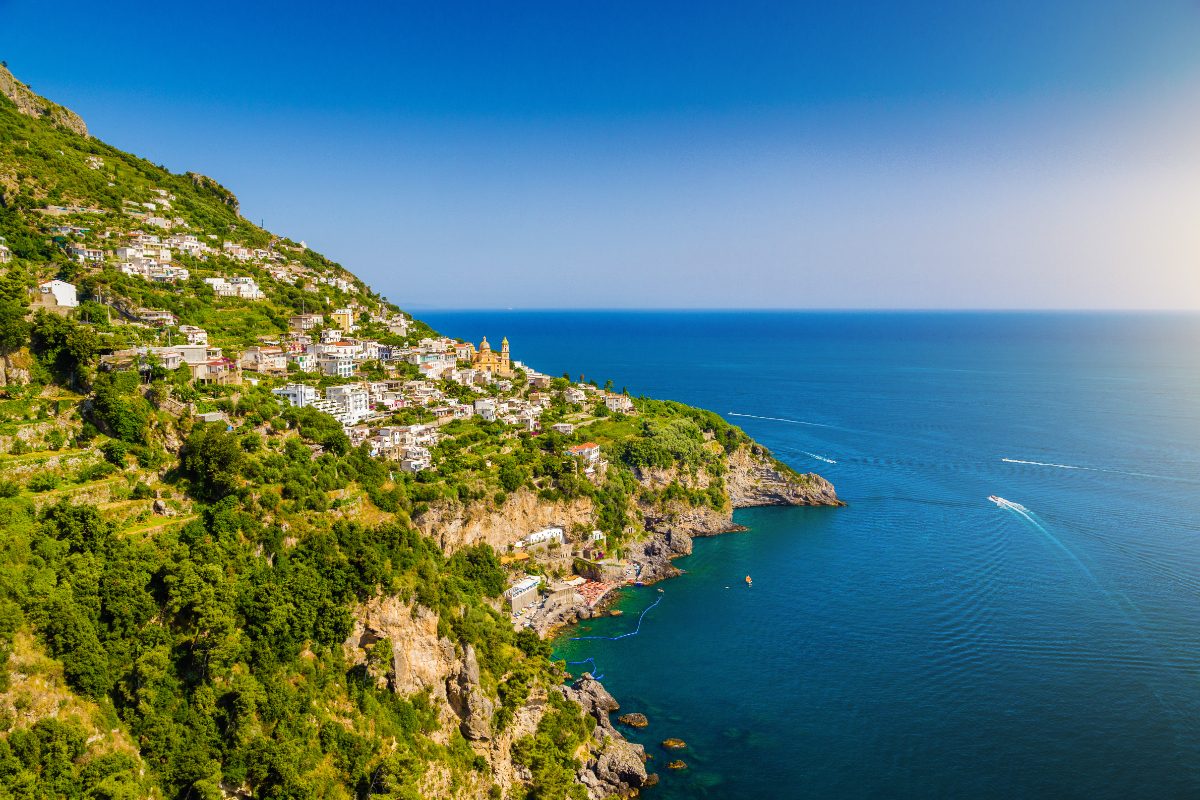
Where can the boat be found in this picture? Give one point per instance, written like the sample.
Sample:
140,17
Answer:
748,581
1000,501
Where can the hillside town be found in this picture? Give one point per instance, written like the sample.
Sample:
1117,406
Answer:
355,360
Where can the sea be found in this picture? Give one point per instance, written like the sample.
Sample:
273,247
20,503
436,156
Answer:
924,641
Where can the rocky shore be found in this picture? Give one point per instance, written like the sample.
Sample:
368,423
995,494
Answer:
755,480
423,660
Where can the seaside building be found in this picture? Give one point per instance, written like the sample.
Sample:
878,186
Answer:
523,593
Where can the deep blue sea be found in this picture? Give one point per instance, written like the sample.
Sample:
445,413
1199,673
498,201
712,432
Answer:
922,642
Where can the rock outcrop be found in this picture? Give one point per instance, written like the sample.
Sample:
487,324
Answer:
32,105
207,184
468,701
615,767
455,525
421,660
755,479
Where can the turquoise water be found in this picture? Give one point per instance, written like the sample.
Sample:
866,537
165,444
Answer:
921,642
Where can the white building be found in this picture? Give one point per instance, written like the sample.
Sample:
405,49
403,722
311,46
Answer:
333,364
193,334
619,403
237,286
352,401
486,409
84,254
523,593
298,394
63,293
544,536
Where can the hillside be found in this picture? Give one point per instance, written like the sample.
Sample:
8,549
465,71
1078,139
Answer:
259,523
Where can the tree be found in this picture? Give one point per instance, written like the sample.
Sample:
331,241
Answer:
119,409
65,347
14,330
211,458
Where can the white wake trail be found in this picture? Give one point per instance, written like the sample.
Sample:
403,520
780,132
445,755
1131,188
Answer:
1094,469
1047,464
818,458
781,419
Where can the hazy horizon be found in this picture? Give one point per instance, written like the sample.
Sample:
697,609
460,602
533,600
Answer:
681,155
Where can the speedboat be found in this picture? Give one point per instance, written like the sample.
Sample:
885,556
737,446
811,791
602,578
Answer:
1000,501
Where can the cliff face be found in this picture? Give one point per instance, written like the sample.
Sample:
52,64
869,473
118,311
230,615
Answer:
755,480
207,184
454,525
424,661
32,105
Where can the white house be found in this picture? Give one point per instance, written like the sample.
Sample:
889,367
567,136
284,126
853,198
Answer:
193,334
486,409
352,401
303,361
63,293
618,403
336,365
588,452
297,394
544,536
305,322
265,359
415,459
84,254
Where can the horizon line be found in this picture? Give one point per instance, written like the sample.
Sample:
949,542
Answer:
796,309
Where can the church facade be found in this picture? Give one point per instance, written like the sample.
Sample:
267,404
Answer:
494,363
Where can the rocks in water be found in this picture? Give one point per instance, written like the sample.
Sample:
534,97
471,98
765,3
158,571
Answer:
651,780
594,698
633,720
618,769
674,744
677,764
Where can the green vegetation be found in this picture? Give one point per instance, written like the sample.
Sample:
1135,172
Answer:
196,583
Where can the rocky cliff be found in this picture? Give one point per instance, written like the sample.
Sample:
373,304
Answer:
454,525
423,661
31,105
755,479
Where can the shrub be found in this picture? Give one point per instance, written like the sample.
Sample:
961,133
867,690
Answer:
115,451
43,483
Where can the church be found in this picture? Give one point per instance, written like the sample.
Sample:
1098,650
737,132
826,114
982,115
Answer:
488,360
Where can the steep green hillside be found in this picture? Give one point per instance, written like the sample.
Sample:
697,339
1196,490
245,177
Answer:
260,606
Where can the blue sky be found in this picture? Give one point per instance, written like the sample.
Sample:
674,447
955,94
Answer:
619,154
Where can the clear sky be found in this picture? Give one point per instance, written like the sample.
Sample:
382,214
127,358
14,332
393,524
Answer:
586,153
